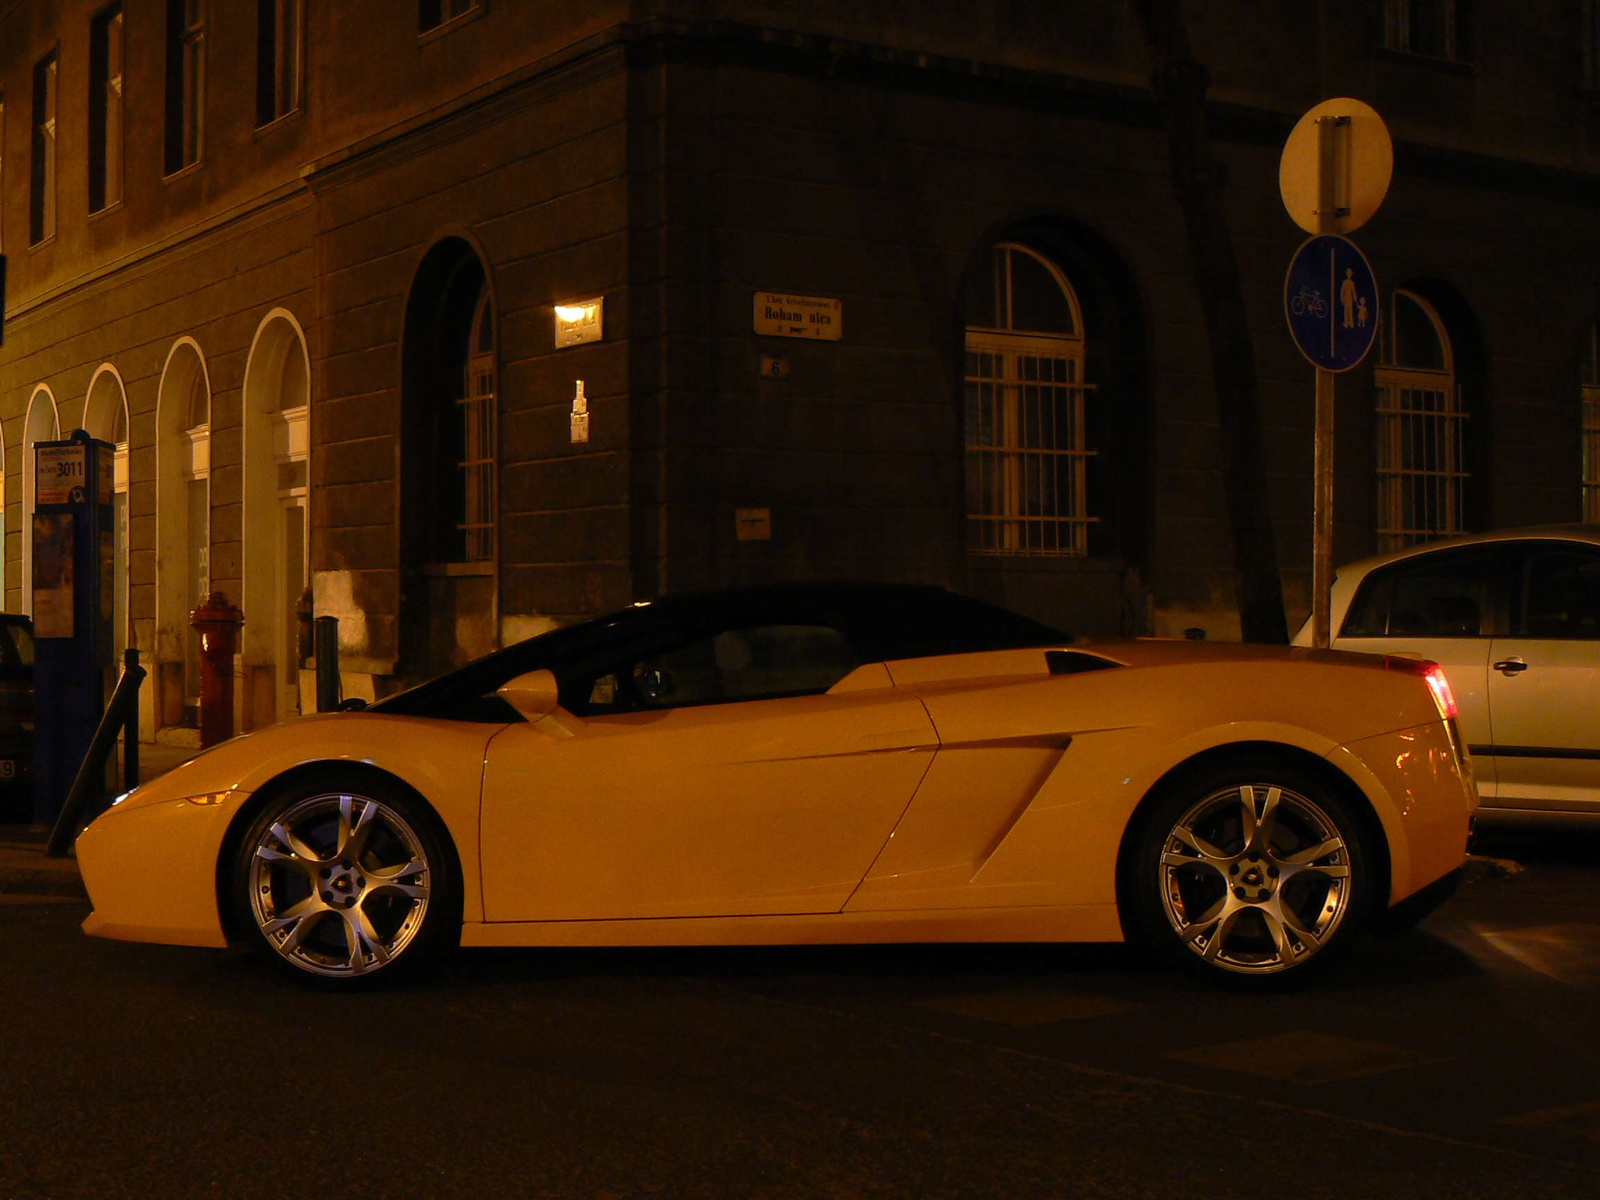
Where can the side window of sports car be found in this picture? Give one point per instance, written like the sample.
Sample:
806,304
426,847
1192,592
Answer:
753,663
1560,595
1436,596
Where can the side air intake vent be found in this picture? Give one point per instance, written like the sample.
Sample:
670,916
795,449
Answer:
1075,662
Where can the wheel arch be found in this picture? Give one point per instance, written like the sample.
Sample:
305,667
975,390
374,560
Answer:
1360,803
293,777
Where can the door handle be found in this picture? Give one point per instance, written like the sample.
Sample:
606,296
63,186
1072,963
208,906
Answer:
1510,666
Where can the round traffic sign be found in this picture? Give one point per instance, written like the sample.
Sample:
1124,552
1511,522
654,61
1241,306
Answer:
1330,299
1355,153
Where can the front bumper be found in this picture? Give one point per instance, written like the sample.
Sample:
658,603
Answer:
151,871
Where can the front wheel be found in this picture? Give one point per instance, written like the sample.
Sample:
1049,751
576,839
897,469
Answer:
345,880
1253,874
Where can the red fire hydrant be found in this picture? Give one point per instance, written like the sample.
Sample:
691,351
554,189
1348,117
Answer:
217,623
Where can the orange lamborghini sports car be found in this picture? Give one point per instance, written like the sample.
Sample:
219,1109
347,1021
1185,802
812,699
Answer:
814,763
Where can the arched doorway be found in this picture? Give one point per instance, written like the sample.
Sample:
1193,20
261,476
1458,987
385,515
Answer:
448,463
105,416
42,424
183,530
276,407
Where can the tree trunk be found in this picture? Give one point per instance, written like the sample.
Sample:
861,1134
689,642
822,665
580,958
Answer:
1198,182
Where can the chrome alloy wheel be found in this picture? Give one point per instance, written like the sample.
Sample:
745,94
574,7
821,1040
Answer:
338,884
1255,878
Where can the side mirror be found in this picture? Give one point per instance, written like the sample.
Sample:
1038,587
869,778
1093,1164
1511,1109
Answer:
534,695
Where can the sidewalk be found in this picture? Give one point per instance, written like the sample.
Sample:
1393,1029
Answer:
27,875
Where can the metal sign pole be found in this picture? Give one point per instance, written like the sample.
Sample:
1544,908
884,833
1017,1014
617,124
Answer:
1322,509
1333,174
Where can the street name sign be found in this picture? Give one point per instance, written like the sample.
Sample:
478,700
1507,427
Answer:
1330,299
778,315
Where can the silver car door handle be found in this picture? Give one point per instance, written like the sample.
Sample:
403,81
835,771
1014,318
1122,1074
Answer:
1510,666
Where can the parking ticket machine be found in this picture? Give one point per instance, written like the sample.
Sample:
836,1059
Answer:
73,595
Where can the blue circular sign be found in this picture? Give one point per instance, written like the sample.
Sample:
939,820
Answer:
1330,299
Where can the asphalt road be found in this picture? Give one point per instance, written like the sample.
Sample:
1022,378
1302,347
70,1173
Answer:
1462,1059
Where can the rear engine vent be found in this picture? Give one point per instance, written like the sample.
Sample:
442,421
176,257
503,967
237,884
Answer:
1075,662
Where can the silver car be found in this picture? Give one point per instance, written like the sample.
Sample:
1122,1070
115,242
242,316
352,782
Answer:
1514,618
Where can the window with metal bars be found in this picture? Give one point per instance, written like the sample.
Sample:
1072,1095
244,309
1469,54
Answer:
1421,428
1590,422
478,437
1024,419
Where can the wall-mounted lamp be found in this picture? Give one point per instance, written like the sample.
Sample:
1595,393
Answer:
579,321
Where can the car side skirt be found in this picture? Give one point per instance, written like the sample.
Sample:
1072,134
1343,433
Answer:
1052,923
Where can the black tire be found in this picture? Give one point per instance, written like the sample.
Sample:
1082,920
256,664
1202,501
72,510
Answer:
346,881
1256,902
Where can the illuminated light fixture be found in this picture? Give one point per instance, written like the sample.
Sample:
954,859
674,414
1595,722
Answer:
579,321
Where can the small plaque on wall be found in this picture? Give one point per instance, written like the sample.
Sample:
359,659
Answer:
752,524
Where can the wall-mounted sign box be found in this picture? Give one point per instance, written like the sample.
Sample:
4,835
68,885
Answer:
579,321
778,315
62,476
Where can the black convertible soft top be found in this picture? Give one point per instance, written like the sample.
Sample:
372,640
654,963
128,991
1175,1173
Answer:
882,621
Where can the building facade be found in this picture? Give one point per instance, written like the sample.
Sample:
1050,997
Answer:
900,293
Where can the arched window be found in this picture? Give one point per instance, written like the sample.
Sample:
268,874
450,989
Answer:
1024,397
276,554
448,460
105,416
478,440
1591,424
183,528
42,424
1421,426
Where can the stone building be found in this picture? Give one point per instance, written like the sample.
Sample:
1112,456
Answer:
328,274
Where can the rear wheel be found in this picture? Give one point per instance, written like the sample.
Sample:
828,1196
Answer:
346,880
1253,874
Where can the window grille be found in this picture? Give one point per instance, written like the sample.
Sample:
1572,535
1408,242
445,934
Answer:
1421,429
477,405
1025,399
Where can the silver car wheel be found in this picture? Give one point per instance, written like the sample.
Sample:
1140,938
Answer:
1255,878
339,884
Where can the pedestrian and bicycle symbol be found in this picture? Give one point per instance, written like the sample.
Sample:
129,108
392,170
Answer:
1330,298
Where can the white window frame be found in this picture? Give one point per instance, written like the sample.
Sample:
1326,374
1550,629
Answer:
1026,461
1421,442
